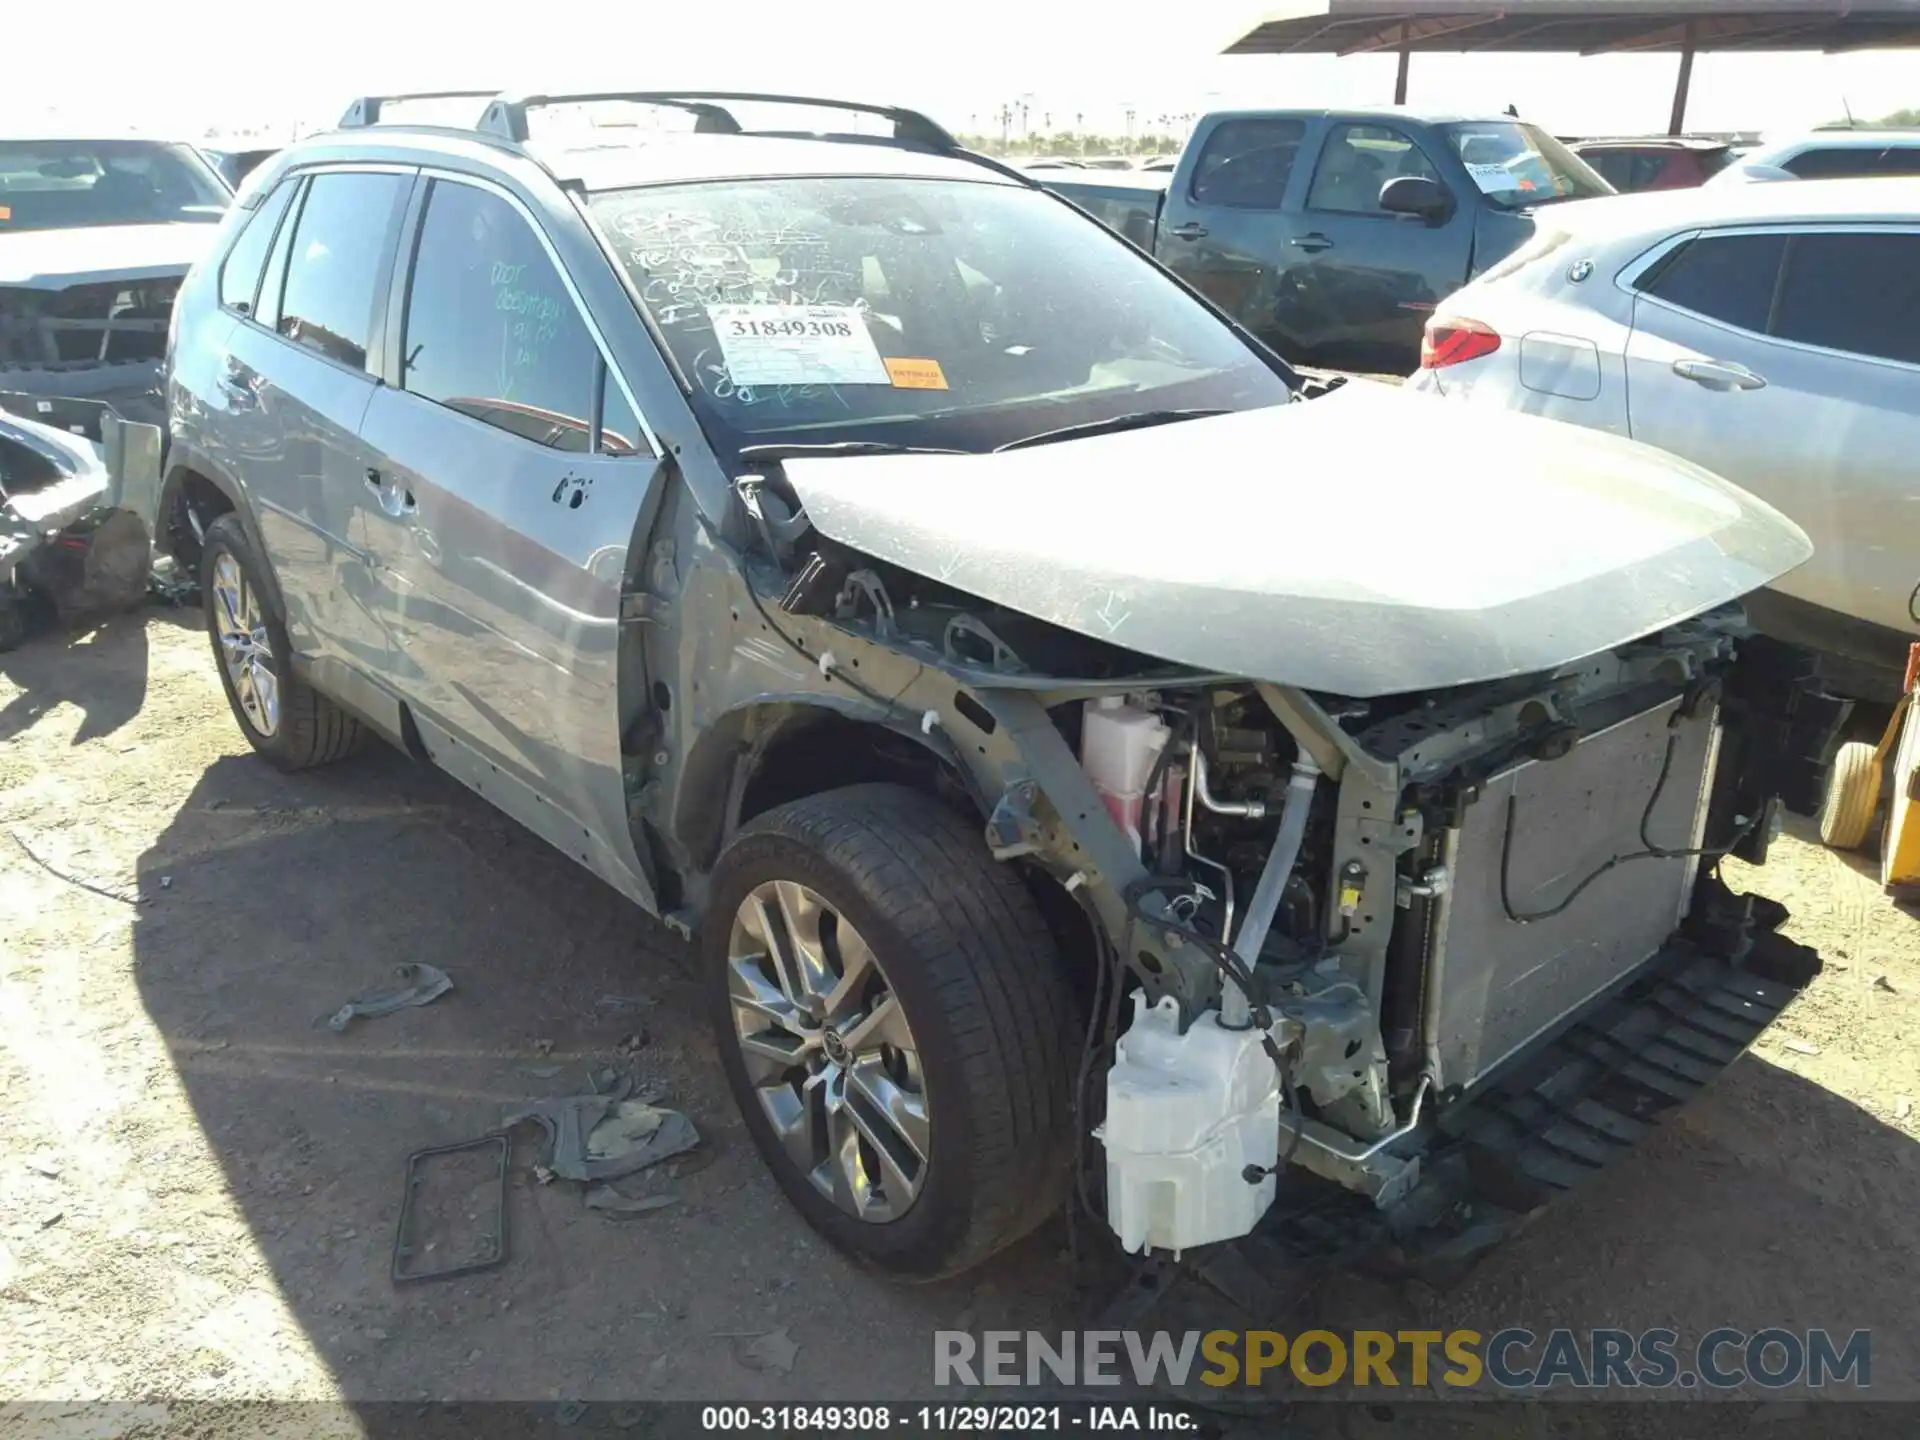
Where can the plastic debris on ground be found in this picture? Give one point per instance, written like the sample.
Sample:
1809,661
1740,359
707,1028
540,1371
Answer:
773,1351
605,1135
616,1206
419,984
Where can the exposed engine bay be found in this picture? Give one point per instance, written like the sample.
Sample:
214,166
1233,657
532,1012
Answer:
1340,934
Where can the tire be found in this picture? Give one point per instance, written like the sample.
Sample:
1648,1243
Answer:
1853,794
962,947
307,728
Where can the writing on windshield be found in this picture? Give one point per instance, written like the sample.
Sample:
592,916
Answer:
917,311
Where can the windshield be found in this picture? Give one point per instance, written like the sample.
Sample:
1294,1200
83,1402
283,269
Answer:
951,314
1518,165
75,184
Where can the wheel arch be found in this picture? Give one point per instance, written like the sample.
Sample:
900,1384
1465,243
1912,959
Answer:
772,751
193,494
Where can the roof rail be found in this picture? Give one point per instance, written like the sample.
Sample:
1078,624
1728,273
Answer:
366,110
506,117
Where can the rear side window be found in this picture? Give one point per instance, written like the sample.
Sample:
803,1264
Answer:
1619,168
1356,161
492,331
240,275
1245,163
334,269
1859,293
1729,278
1855,160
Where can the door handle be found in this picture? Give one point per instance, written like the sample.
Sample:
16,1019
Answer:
394,499
1718,375
239,394
1311,242
1192,230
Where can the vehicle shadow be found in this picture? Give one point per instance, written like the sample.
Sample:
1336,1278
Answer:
98,663
283,896
271,899
1770,1201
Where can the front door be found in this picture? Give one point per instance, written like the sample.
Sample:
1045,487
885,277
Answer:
497,522
1226,223
1361,281
1788,361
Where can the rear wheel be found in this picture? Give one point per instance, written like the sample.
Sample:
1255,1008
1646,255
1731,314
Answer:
287,721
1853,794
895,1025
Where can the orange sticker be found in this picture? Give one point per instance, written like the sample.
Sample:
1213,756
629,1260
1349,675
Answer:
916,374
6,212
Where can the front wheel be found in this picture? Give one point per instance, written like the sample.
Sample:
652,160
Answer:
896,1027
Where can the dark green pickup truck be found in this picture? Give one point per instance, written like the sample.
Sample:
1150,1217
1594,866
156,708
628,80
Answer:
1332,234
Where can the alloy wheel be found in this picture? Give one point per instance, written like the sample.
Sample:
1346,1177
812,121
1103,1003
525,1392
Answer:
828,1051
242,629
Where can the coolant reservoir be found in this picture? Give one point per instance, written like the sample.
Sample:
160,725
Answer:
1186,1114
1118,744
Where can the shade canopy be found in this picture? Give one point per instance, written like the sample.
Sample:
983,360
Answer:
1586,27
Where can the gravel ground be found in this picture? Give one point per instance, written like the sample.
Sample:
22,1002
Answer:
199,1185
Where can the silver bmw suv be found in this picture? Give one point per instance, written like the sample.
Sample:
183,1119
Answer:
1092,757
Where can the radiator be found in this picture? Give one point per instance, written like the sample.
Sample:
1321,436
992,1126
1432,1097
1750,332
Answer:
1505,983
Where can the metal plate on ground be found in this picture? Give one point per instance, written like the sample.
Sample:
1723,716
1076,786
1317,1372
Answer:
453,1214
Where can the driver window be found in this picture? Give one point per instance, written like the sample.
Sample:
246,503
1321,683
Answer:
493,332
1357,161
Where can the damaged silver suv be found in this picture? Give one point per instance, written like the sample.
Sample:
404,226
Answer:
1090,755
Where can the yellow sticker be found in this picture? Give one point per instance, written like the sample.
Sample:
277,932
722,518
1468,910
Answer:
916,374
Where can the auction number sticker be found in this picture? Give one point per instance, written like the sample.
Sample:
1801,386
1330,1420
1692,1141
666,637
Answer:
1491,177
797,345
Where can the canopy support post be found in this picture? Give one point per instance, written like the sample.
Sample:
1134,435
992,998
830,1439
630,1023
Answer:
1406,55
1676,123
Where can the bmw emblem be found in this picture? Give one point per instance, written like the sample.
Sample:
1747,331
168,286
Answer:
1579,270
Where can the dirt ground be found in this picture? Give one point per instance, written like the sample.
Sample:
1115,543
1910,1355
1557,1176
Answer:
199,1184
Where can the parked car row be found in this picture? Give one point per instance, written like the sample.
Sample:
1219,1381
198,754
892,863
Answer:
1771,333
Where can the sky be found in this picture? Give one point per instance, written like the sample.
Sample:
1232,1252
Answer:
291,63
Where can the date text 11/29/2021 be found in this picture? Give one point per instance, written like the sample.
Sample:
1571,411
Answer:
946,1419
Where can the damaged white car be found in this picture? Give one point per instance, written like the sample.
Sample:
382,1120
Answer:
1074,738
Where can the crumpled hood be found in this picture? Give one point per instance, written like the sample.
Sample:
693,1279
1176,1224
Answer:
55,259
1371,542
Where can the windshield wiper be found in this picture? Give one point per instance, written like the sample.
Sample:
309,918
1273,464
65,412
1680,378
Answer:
827,449
1139,419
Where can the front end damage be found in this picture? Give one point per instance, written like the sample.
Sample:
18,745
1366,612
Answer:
1373,972
1500,948
75,512
1381,964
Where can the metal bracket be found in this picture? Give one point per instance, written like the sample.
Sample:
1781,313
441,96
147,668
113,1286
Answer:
1012,829
847,605
1001,657
1436,881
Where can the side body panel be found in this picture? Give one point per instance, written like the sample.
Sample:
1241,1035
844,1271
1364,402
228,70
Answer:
1830,439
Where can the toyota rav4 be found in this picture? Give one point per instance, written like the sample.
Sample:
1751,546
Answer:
1090,756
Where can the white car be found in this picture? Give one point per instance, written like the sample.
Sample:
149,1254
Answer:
1827,155
1770,333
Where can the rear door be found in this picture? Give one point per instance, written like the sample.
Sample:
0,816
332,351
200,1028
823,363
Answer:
1788,361
1359,282
297,377
509,475
1228,217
